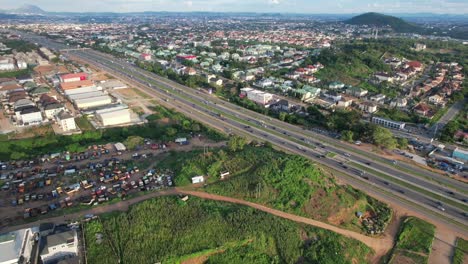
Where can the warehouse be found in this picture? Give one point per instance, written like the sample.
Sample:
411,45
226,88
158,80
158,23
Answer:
82,90
85,95
75,85
73,77
114,116
93,102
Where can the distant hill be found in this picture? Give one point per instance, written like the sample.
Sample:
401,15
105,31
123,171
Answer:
376,19
27,10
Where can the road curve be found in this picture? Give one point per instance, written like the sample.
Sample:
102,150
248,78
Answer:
380,245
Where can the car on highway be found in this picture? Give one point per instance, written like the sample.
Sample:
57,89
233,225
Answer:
440,207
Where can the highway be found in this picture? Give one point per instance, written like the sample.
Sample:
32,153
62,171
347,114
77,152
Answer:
216,112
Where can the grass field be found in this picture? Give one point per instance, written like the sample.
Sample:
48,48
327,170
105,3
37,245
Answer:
83,123
169,230
461,250
414,242
286,182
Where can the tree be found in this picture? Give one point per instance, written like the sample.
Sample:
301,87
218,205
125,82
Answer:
347,135
402,143
382,137
236,143
171,131
282,116
133,142
196,127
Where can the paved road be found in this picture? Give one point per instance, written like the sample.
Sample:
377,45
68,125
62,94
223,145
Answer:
208,109
451,113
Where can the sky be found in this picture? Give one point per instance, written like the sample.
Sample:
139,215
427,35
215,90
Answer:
283,6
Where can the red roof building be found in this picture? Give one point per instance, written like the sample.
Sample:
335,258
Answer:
73,77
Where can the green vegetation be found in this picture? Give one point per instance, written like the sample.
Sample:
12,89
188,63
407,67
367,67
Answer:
460,251
19,45
168,230
14,74
396,114
414,241
376,19
83,123
460,122
286,182
179,125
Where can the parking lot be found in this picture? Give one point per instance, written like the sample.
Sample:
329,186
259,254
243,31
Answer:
100,174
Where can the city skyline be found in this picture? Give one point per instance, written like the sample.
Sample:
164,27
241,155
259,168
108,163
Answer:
282,6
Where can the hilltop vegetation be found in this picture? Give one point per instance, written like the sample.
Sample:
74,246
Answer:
168,230
286,182
381,20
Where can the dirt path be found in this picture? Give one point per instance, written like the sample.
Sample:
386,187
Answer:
379,245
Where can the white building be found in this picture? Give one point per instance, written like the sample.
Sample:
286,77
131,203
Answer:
7,64
66,121
59,245
82,90
388,123
114,116
17,244
21,64
52,110
92,102
257,96
30,115
197,179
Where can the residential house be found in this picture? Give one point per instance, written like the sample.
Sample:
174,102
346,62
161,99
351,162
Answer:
336,85
422,109
378,98
332,95
345,102
368,107
436,100
384,77
66,121
399,102
356,91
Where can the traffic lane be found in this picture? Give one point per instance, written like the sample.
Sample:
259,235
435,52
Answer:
296,146
364,161
394,170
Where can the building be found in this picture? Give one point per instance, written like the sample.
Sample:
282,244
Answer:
182,58
399,102
92,102
356,91
53,109
66,121
71,85
7,64
436,99
16,247
73,77
422,109
46,53
257,96
344,102
460,154
368,107
28,115
145,56
198,179
114,116
58,246
384,77
379,98
336,85
388,123
419,46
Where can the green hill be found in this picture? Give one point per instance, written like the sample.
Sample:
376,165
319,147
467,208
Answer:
376,19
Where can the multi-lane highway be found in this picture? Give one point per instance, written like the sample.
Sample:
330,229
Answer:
432,192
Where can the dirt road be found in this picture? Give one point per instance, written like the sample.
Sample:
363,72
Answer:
380,245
